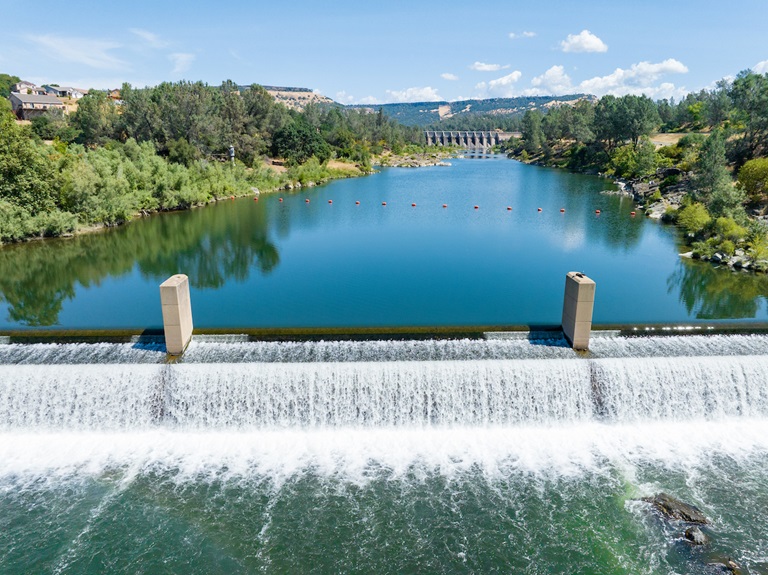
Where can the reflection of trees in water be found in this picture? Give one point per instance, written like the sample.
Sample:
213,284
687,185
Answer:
717,293
212,245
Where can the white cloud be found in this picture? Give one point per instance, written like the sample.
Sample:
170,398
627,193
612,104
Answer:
181,62
85,51
552,82
483,67
515,36
503,87
637,79
584,41
449,76
152,40
425,94
761,67
370,100
344,98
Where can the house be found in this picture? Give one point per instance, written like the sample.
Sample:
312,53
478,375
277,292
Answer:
64,91
27,106
24,87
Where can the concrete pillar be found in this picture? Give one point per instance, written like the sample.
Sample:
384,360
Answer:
177,313
577,309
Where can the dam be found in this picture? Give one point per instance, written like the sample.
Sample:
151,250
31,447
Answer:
467,139
456,455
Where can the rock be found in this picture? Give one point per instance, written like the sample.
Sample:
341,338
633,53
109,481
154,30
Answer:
696,536
717,257
739,253
255,191
726,566
675,509
688,255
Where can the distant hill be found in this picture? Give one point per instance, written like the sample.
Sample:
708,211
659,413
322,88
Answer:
430,113
295,98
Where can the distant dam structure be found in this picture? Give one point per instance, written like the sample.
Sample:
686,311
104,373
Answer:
482,139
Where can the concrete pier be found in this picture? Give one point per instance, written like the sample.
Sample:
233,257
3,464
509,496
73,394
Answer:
578,303
177,313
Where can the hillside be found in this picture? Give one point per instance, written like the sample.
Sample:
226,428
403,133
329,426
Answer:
430,113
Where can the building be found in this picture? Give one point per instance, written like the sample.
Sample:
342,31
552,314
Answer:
27,106
24,87
64,91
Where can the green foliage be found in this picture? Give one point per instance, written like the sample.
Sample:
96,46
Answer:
6,81
753,179
693,218
632,161
729,229
533,135
713,182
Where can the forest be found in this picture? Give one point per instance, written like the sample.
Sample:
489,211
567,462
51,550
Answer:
720,161
166,148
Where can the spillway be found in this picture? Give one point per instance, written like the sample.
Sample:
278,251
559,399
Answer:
388,456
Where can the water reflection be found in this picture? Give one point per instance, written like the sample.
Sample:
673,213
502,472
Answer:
711,293
213,245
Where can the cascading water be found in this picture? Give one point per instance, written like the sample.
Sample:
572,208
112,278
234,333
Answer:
505,454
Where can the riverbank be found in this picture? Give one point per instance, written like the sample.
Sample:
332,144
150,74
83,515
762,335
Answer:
663,196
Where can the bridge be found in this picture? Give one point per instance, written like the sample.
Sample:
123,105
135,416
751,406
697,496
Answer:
479,139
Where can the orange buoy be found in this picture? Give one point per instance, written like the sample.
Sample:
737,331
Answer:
330,201
383,203
255,199
231,197
445,205
538,209
632,214
306,201
477,207
509,208
562,210
281,199
597,212
413,205
357,203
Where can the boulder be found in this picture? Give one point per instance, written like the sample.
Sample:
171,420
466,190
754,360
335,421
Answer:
674,509
696,536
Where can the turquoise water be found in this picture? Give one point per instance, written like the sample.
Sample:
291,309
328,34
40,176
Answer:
319,264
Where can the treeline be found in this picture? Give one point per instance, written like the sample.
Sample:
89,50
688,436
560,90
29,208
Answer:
480,121
166,148
726,153
188,121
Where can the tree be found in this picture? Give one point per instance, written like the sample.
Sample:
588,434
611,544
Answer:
753,179
95,118
693,218
533,135
749,94
713,183
6,81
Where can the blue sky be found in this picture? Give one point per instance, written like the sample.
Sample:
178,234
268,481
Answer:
360,52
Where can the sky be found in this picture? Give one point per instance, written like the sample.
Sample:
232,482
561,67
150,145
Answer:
398,51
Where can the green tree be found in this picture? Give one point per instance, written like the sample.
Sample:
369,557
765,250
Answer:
753,179
533,135
6,81
95,118
693,218
713,182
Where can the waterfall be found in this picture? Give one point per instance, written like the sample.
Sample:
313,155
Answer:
305,394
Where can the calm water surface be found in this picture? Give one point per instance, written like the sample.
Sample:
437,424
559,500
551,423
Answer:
319,264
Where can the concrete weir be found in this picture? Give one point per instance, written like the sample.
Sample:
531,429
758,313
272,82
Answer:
177,313
578,303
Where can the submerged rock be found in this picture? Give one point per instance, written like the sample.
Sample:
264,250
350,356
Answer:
675,509
726,566
696,536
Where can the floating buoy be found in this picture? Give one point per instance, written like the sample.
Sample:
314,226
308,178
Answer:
477,207
597,212
231,197
306,201
538,209
357,203
509,208
562,210
255,199
445,205
281,199
330,201
413,205
632,214
383,203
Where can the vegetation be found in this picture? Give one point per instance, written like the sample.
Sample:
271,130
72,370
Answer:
727,159
167,148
